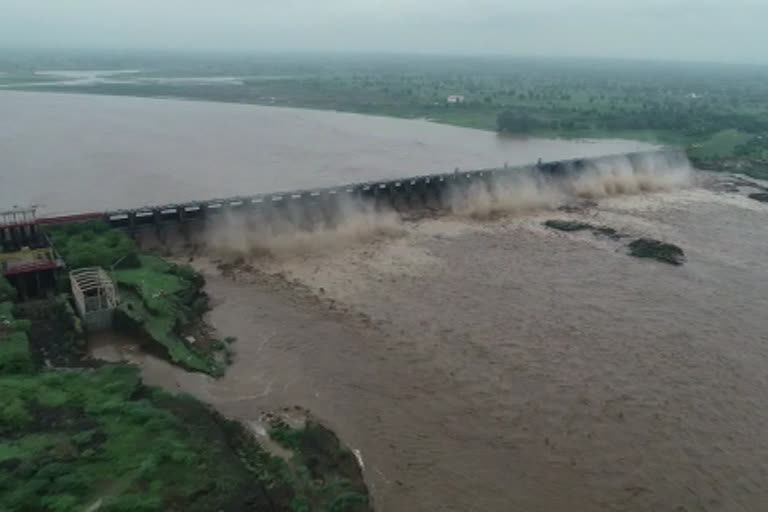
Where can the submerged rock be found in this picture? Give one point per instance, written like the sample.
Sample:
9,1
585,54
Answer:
607,232
573,225
568,225
661,251
759,196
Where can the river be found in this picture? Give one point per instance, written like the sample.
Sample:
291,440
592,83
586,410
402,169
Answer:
497,365
476,364
70,152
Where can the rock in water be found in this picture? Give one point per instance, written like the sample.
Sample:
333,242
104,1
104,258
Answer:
607,232
567,225
574,225
650,248
759,196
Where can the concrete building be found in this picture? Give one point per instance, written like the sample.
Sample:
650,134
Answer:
27,258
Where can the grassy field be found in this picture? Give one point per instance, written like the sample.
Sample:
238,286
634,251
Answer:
718,112
160,302
720,145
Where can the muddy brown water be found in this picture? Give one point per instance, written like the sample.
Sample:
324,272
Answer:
70,152
475,365
499,365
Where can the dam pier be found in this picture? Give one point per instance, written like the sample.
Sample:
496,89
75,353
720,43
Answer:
304,208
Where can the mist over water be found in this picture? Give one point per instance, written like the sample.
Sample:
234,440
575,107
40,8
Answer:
487,363
477,361
620,175
602,177
357,222
301,230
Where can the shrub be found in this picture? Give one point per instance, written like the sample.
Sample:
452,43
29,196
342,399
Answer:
7,291
286,436
21,325
14,354
60,503
14,414
349,501
133,503
94,244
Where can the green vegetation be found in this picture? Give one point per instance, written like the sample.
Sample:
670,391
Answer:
159,301
162,301
7,292
720,145
54,332
325,471
78,438
93,437
719,112
72,439
14,344
94,244
661,251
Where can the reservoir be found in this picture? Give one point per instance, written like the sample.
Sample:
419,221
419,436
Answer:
475,364
71,153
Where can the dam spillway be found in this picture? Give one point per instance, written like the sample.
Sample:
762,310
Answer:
305,208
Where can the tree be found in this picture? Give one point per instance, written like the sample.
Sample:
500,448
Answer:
512,122
7,292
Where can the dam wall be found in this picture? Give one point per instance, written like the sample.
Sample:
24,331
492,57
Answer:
432,192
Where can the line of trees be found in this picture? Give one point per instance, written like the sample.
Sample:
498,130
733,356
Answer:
509,121
687,123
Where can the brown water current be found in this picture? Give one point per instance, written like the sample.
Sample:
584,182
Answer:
498,365
70,152
475,364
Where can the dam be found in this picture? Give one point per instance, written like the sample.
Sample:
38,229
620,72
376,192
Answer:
309,207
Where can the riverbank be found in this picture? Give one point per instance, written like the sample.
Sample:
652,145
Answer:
160,303
495,363
378,340
81,433
203,150
99,439
717,113
752,167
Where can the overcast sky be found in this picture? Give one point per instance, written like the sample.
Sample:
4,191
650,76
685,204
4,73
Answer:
712,30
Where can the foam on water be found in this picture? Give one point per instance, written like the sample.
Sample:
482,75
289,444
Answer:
358,221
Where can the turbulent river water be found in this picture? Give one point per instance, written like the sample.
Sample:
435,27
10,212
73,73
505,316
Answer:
491,364
498,365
